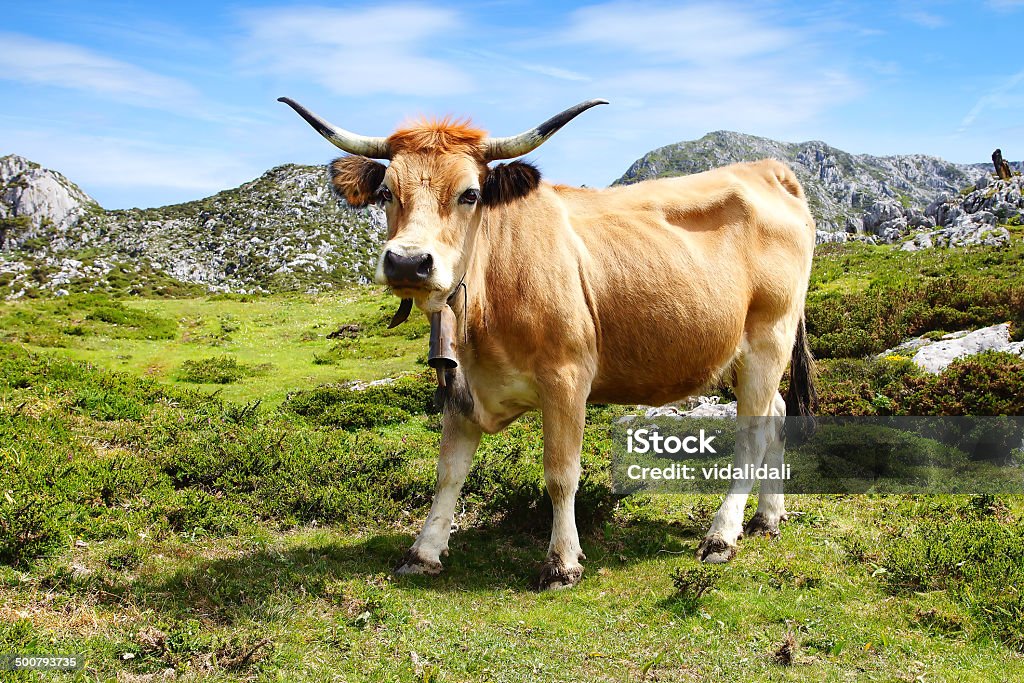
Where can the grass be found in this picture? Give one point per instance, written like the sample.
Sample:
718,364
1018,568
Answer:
287,332
246,530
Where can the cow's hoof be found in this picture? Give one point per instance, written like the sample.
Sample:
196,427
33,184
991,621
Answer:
760,526
715,550
413,563
554,575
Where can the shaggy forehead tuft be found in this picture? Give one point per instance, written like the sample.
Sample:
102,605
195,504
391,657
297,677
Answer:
445,135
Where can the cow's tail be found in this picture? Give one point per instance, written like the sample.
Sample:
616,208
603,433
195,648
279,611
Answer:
802,396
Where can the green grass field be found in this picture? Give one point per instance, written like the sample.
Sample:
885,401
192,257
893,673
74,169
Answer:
245,528
286,334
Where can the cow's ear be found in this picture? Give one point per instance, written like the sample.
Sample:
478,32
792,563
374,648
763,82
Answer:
356,179
507,182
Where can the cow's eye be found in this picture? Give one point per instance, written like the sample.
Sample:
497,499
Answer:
470,196
384,194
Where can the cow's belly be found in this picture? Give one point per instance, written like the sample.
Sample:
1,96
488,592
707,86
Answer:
666,353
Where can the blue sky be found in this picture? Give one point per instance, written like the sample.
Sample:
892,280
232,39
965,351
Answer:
144,104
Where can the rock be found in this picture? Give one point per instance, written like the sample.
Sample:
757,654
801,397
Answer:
828,236
840,187
695,406
724,410
28,190
359,385
973,218
934,356
883,214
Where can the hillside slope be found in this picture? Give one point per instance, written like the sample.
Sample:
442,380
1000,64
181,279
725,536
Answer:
847,192
283,230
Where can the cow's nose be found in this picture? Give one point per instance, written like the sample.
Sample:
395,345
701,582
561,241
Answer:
412,270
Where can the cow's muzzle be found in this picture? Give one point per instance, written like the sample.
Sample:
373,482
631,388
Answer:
407,271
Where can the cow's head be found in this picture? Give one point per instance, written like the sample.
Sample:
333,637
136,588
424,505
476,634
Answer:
433,191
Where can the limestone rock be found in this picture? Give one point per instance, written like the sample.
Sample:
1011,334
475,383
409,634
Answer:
934,356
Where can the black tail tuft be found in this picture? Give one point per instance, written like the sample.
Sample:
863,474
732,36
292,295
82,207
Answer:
802,396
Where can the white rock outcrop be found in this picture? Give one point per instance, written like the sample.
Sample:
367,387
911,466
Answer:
40,194
935,356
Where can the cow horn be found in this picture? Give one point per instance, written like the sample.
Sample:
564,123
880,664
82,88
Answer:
374,148
527,141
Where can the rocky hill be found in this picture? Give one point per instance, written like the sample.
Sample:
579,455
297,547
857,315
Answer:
283,230
852,193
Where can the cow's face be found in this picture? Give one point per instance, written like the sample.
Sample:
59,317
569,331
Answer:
434,202
434,192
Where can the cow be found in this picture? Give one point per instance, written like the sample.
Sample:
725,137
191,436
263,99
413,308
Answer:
639,294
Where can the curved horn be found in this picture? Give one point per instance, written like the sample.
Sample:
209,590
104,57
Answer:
375,148
527,141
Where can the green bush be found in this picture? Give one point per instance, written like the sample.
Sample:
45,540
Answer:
132,323
30,526
985,384
967,550
506,482
224,369
897,295
692,583
373,406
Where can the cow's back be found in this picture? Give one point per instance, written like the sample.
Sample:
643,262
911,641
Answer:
674,267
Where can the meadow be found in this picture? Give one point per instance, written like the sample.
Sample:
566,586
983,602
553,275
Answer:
190,490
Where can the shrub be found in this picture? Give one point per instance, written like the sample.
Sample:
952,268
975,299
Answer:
506,482
375,405
692,583
223,369
908,295
126,558
130,322
973,555
985,384
30,526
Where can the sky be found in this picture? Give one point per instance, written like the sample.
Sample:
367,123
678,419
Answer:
147,104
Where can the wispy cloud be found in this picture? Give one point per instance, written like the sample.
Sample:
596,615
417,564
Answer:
993,98
381,50
112,165
924,19
32,60
709,66
703,33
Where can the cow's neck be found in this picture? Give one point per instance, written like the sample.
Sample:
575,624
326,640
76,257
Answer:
496,289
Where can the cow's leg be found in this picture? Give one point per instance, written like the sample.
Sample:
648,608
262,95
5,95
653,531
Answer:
763,357
564,414
771,505
459,440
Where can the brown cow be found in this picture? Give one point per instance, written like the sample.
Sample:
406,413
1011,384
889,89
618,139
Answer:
638,294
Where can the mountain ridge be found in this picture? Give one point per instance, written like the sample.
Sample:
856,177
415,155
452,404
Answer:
285,230
841,187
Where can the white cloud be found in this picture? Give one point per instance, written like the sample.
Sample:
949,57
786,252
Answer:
105,166
701,33
35,61
924,19
995,98
701,67
362,51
